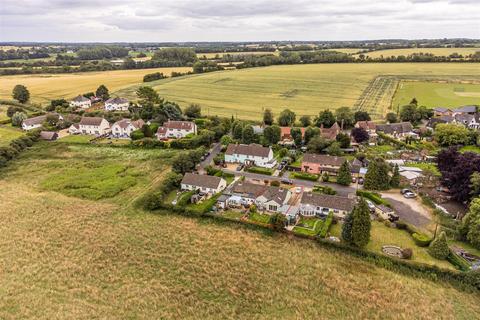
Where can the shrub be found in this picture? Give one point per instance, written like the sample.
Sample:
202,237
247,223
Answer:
304,176
458,262
325,190
421,239
326,226
153,76
260,170
275,183
439,247
211,171
407,253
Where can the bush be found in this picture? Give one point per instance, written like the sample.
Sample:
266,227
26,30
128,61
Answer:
275,183
439,247
374,197
153,76
304,176
407,253
260,170
326,226
211,171
458,262
421,239
148,143
137,135
324,189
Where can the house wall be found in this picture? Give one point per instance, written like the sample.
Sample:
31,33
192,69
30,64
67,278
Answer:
308,210
83,104
222,185
95,130
30,127
116,107
259,161
315,168
119,132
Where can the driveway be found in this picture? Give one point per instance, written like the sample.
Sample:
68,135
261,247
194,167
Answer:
409,210
217,147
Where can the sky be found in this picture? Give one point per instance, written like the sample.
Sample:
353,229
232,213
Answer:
236,20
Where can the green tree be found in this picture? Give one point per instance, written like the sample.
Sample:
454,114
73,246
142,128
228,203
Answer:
193,111
18,118
318,143
325,118
310,133
347,228
296,134
377,177
439,247
305,121
226,140
395,180
344,174
283,152
272,134
345,115
361,224
147,131
137,135
391,117
147,95
20,93
248,135
102,92
451,134
343,139
277,220
237,130
334,149
268,117
475,184
286,118
409,113
469,229
361,116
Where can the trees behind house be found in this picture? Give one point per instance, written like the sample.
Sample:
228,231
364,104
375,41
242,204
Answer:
469,230
18,118
360,135
357,225
286,118
193,111
344,174
305,121
395,179
377,177
248,135
414,114
343,139
268,117
20,93
391,117
147,95
102,92
449,134
318,143
296,134
325,119
272,134
345,117
361,116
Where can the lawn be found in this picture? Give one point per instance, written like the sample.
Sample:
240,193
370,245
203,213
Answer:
7,134
310,227
45,87
306,89
259,217
434,94
67,257
231,214
474,149
3,112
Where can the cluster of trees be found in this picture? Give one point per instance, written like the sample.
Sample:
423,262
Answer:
414,113
102,52
449,134
17,145
378,177
13,54
469,229
186,161
180,56
153,76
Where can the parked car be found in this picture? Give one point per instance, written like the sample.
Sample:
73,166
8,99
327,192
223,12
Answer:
360,180
403,191
240,167
298,190
443,189
287,181
280,167
371,205
409,194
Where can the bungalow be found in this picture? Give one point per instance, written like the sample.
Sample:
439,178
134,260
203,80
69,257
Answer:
319,163
74,129
123,128
244,193
37,122
396,130
274,199
251,154
116,104
267,198
81,102
48,135
441,111
94,125
176,129
203,183
317,204
465,110
330,133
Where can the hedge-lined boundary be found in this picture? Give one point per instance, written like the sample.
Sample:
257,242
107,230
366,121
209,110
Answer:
374,197
16,146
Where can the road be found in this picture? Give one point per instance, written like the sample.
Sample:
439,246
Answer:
341,190
217,147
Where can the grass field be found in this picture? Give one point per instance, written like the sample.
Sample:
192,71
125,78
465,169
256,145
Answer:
7,134
433,94
306,89
434,51
45,87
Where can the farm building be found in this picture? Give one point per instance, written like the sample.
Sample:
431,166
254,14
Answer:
48,135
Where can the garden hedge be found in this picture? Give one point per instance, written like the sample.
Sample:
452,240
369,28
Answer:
304,176
421,239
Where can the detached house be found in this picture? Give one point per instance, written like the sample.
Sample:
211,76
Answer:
116,104
330,133
203,183
244,193
465,110
124,127
176,129
471,121
37,122
274,199
81,102
251,154
316,204
319,163
396,130
94,125
267,198
441,111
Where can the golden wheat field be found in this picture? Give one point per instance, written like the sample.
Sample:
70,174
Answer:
434,51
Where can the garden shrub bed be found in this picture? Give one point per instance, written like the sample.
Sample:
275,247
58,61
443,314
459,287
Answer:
421,239
304,176
374,197
260,170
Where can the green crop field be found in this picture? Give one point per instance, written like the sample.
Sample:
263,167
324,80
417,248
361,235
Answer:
306,89
434,51
66,255
434,94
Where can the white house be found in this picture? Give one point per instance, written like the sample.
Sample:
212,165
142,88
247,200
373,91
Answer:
471,121
81,102
274,199
268,198
37,122
317,204
116,104
74,129
94,125
176,129
203,183
123,128
253,154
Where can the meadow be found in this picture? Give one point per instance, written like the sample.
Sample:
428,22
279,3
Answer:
434,51
7,134
64,256
434,94
306,89
45,87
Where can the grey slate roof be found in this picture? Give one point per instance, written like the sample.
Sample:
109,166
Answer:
117,100
125,122
401,127
249,189
323,159
91,121
328,201
80,98
201,180
466,109
248,149
276,194
48,135
35,120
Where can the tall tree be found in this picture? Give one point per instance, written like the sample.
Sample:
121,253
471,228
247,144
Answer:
268,117
451,134
286,118
272,134
20,93
391,117
395,180
377,177
305,121
343,139
361,224
248,135
469,230
360,135
345,117
344,174
325,118
347,228
193,111
409,113
147,95
18,118
102,92
318,143
310,133
296,134
334,149
362,116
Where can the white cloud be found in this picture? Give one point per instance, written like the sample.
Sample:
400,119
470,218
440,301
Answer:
234,20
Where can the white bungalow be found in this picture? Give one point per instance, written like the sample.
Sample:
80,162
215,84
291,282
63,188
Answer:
203,183
81,102
316,204
253,154
176,129
116,104
125,127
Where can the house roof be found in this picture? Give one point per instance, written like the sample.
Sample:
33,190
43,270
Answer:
91,121
75,125
323,159
466,109
285,132
330,133
276,194
124,123
401,127
116,100
328,201
255,150
80,98
247,188
35,120
180,125
161,131
201,180
441,109
48,135
367,125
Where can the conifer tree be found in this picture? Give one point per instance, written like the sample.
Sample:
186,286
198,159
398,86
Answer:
361,224
395,180
344,175
439,247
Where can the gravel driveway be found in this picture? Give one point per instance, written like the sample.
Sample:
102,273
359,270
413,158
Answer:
409,210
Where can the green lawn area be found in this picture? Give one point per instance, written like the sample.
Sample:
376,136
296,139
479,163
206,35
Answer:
231,214
308,226
297,162
258,217
380,149
425,167
8,133
170,197
474,149
3,112
79,138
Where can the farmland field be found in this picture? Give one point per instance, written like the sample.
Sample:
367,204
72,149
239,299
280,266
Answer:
68,256
306,89
45,87
7,134
434,51
434,94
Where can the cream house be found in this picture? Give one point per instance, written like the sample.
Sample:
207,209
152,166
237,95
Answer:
94,125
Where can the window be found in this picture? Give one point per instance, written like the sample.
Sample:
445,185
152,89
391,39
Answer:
272,207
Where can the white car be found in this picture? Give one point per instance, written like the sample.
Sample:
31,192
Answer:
370,205
409,194
298,190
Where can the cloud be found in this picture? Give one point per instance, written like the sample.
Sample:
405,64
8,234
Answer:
233,20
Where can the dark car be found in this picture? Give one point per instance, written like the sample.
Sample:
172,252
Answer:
287,181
